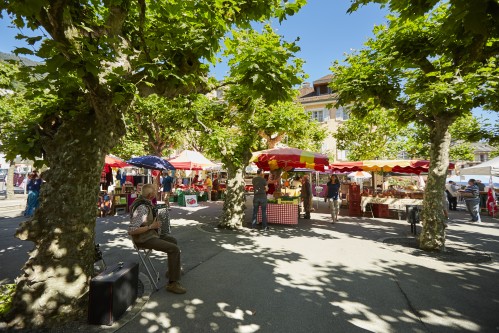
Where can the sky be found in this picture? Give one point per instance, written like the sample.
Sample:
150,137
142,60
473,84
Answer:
325,30
326,33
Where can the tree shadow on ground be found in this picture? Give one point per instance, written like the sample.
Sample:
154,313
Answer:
314,277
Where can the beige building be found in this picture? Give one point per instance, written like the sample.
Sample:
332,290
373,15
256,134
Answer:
317,100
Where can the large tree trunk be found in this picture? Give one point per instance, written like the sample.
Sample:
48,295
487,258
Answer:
235,201
432,236
52,288
9,189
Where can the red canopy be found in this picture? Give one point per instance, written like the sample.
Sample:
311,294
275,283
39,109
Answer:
289,158
115,162
400,166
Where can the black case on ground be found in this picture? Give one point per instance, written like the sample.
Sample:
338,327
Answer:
112,292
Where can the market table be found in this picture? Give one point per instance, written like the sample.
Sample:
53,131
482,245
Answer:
393,203
280,214
291,192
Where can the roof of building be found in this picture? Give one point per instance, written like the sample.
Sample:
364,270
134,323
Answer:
308,93
313,98
323,80
481,147
306,90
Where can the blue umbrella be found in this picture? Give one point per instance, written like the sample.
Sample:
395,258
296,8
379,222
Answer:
151,162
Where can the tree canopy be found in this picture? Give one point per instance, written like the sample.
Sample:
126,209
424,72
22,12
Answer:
98,57
429,67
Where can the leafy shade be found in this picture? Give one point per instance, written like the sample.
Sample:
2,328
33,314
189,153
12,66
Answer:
429,70
263,64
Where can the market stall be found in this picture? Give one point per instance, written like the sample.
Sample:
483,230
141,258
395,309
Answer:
127,191
189,160
394,197
189,197
282,211
399,166
392,203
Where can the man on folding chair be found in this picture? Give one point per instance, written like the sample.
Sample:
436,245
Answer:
145,232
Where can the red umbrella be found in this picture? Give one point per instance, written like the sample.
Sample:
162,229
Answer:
115,162
289,158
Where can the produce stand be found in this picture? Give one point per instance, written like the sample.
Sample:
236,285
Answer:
284,210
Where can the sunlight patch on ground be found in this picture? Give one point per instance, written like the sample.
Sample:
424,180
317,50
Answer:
435,318
237,314
154,321
298,274
370,321
10,248
247,328
183,222
116,231
191,209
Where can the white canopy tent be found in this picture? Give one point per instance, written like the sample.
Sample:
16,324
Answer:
489,168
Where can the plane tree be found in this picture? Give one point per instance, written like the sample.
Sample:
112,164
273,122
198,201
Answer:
253,107
97,57
427,70
379,136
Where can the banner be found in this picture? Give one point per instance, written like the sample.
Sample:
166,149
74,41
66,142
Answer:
191,200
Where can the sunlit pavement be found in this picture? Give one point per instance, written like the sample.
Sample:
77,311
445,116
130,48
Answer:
314,277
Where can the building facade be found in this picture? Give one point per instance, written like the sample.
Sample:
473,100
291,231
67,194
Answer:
317,100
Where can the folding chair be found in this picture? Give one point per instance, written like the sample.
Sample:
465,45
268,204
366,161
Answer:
369,209
144,255
99,258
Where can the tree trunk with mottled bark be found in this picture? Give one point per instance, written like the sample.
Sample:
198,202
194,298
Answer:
432,237
235,200
9,189
52,288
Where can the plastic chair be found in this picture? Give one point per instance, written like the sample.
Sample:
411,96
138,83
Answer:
144,255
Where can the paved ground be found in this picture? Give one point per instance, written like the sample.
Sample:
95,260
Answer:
314,277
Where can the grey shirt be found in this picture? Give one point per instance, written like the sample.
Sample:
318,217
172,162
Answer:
259,184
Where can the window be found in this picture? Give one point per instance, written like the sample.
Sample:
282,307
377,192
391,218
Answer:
322,90
319,115
342,114
341,155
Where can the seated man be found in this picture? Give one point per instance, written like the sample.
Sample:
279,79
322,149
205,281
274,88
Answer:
144,229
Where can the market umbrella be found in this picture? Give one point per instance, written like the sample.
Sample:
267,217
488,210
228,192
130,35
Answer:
115,162
191,160
151,162
289,158
359,174
359,177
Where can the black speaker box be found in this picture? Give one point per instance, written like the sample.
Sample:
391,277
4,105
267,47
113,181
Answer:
112,292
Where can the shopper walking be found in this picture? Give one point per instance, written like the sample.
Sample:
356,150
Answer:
259,199
472,200
333,191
